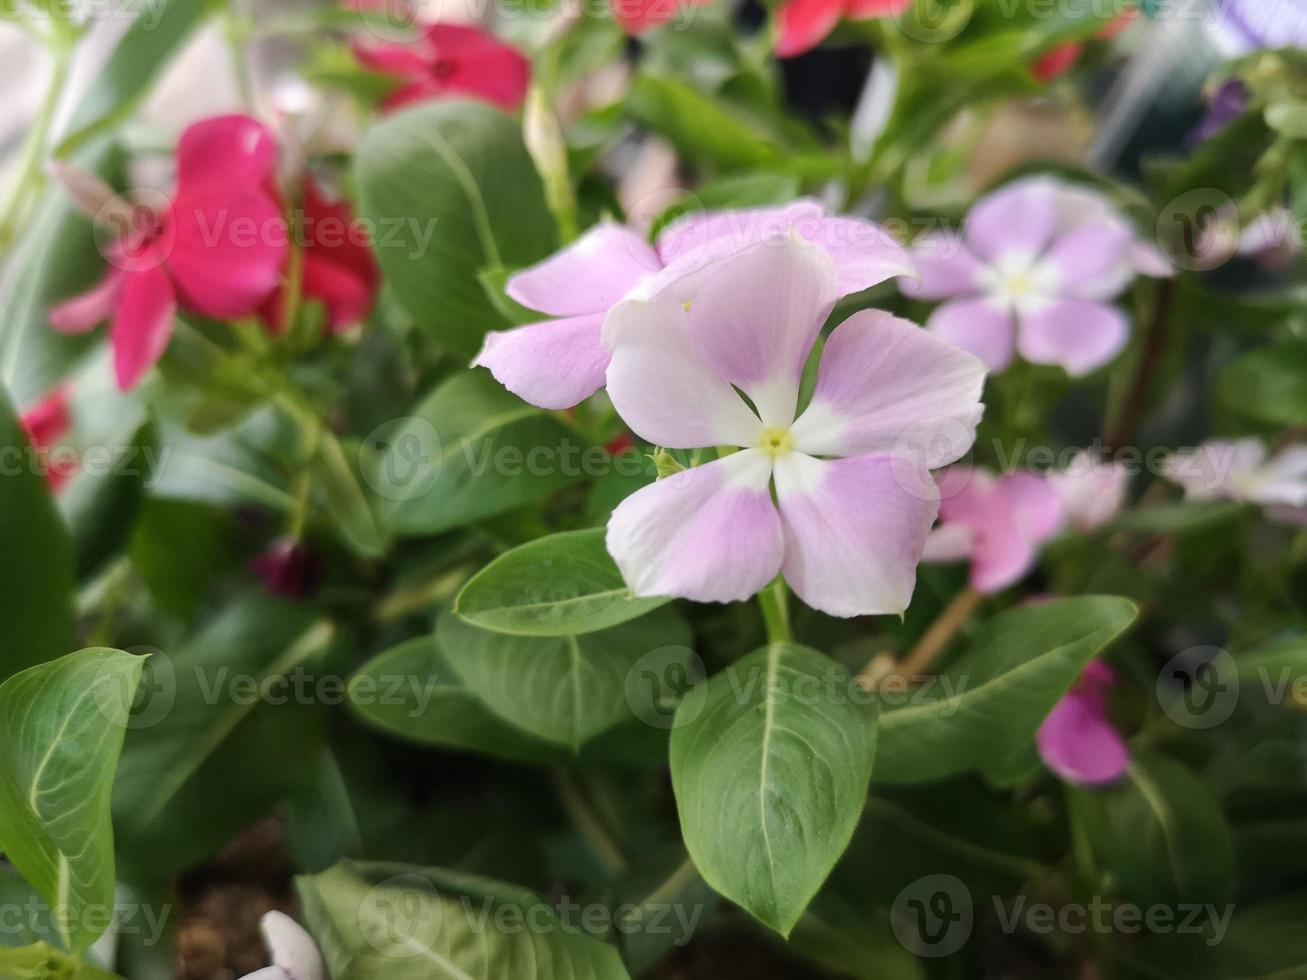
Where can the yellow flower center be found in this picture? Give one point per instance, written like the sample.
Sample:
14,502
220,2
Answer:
1020,284
776,442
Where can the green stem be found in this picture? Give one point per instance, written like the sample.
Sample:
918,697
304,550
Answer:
237,29
588,824
774,601
29,176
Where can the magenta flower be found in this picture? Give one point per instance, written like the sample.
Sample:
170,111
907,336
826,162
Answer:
1092,491
47,423
288,568
1241,470
217,249
1078,740
1032,274
559,363
804,24
853,498
999,523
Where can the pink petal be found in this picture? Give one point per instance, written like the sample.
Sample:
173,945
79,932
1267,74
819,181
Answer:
887,385
1216,468
555,364
1091,262
854,531
865,254
804,24
588,276
339,267
1003,546
143,324
663,389
230,152
864,9
229,251
734,230
1092,492
1078,742
1080,335
402,60
756,317
1036,505
978,326
948,542
346,294
49,420
1017,220
482,66
84,312
945,269
711,533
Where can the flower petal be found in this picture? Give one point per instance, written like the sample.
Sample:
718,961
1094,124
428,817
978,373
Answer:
864,9
1036,504
1092,492
854,531
948,542
1078,741
711,533
292,948
1092,262
1003,547
1281,481
589,276
945,268
224,152
143,324
755,318
84,312
1017,220
734,229
345,293
865,254
663,389
804,24
1080,335
978,326
479,64
554,364
887,385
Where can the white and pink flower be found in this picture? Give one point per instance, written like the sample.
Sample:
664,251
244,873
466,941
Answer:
559,363
1244,470
1092,491
853,496
1033,273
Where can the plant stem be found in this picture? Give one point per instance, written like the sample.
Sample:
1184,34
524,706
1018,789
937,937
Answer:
237,29
28,176
936,638
1128,417
774,601
588,824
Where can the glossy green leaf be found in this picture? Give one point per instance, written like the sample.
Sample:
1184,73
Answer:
567,689
561,585
451,191
469,451
989,703
1269,384
400,922
36,582
63,724
771,773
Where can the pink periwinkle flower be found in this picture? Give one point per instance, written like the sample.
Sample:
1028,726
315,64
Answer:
47,423
1077,740
804,24
1032,274
1244,470
1092,491
295,955
559,363
853,496
998,523
451,61
217,249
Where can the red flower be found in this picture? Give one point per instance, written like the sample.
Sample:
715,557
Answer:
451,60
805,23
47,422
216,249
338,266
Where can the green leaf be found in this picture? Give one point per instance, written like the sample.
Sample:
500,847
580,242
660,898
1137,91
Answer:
399,922
451,191
561,585
1269,384
412,692
567,689
700,127
101,506
771,773
63,724
346,504
1180,518
988,705
36,582
472,450
41,961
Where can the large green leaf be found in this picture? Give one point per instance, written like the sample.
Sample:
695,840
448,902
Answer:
567,689
399,922
1269,384
36,583
987,706
451,191
63,724
471,450
561,585
222,735
771,773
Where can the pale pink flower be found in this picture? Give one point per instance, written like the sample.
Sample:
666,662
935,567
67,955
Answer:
1078,740
1032,274
1092,491
853,497
998,523
1243,470
559,363
295,956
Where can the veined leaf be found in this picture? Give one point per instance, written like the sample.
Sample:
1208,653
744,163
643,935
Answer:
63,724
